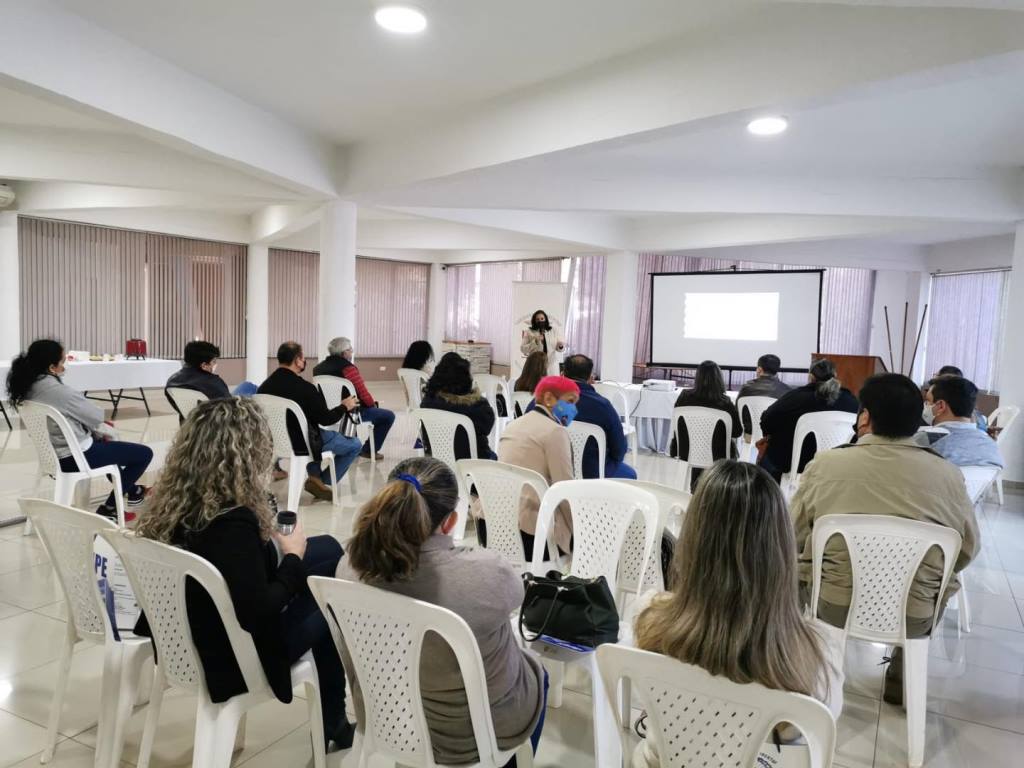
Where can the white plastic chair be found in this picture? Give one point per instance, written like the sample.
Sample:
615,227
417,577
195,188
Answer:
885,554
441,428
383,633
616,395
276,410
580,433
602,513
40,421
490,387
673,502
412,380
69,535
978,479
754,406
335,389
185,400
695,718
830,429
158,573
700,428
1004,416
521,401
500,487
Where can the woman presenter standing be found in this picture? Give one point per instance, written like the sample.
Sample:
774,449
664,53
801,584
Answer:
540,336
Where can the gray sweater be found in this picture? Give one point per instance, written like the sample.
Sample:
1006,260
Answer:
82,414
483,588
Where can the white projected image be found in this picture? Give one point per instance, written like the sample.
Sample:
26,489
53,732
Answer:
731,316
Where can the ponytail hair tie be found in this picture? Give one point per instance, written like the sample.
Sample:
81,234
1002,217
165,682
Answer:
407,478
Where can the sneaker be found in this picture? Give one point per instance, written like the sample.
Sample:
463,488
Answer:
319,489
137,495
892,690
111,514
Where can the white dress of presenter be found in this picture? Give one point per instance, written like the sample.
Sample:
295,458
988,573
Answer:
542,333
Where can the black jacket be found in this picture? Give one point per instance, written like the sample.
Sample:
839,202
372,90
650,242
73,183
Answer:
287,384
720,443
480,413
778,423
260,589
210,384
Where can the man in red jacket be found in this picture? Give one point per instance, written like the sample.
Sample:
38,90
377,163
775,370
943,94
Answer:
339,363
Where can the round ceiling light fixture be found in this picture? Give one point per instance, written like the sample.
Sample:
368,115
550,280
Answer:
771,125
401,19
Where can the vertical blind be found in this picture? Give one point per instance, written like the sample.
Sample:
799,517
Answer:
293,311
586,302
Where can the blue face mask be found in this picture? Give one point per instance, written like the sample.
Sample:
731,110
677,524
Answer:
564,412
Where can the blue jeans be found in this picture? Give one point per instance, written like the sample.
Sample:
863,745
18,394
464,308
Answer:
382,420
619,471
345,450
131,458
245,389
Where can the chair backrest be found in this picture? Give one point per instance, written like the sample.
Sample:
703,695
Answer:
978,479
499,487
490,386
441,427
522,401
41,421
616,395
157,573
830,429
695,718
700,428
672,502
885,553
602,513
383,634
69,535
276,409
185,400
1003,417
754,406
412,383
579,433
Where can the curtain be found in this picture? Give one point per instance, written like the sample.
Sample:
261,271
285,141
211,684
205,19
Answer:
586,302
965,324
294,306
391,306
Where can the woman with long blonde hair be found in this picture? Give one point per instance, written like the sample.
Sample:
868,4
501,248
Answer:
733,606
212,499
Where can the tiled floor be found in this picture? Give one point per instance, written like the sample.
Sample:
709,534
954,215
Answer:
976,681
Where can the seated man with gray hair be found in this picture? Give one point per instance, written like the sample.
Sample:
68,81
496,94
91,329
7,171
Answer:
339,363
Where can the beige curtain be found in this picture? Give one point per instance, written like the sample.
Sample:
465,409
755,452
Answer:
294,305
391,306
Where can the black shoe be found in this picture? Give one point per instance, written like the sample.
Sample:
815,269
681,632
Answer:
341,738
892,689
137,495
111,514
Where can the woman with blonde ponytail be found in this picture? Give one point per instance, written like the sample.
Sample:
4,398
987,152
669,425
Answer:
402,544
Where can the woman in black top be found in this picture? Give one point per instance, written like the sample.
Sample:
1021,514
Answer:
212,499
451,389
708,392
823,392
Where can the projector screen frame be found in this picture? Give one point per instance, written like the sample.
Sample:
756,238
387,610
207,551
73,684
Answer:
821,289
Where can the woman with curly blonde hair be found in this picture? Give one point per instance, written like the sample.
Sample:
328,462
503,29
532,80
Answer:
212,500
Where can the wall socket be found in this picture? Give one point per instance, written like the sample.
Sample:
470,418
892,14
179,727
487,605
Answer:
382,368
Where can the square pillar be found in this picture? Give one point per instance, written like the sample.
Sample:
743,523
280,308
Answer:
257,315
618,317
337,275
10,288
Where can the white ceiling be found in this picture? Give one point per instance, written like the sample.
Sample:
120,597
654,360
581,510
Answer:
19,108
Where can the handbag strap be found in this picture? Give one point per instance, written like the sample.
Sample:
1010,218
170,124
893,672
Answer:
559,589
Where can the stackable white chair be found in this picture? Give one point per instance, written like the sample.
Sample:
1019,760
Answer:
580,433
521,401
185,400
441,428
754,406
158,573
383,633
672,502
499,488
490,387
1003,417
885,553
40,421
700,427
276,410
616,395
335,389
830,429
412,380
69,535
602,513
695,718
978,479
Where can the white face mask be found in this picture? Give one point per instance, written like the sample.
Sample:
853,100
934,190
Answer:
928,413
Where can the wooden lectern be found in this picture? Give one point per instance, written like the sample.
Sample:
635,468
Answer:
853,370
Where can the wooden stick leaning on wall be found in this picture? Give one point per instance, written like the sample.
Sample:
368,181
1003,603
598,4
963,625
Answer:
888,337
903,345
920,328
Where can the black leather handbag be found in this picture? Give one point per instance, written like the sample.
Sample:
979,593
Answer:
578,611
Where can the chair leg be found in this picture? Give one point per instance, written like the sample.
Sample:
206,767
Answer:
63,668
132,660
626,703
999,488
334,480
64,488
915,697
119,499
113,663
524,755
316,725
607,743
963,617
216,728
240,733
296,478
156,699
556,681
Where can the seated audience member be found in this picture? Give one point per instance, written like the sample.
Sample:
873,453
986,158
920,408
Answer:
592,408
534,369
980,420
733,608
212,499
287,382
823,392
419,357
949,370
200,371
884,473
339,363
451,388
538,441
950,404
402,544
36,375
764,384
708,392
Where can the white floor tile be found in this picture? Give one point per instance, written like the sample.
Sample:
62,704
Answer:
19,739
982,696
30,587
69,754
28,640
986,647
988,610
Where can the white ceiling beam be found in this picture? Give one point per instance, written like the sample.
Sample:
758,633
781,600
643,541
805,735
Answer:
41,196
202,225
272,223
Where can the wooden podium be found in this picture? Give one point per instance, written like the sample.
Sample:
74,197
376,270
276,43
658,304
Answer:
853,370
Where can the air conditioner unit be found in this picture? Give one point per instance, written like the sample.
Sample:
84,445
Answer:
6,195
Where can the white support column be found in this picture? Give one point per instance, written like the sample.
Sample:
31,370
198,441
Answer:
10,287
618,320
1011,372
257,318
337,275
437,307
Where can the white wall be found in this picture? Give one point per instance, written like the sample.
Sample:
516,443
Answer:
977,253
895,288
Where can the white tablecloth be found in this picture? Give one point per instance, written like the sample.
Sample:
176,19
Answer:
651,411
88,375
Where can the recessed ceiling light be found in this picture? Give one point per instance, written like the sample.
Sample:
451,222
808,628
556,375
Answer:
768,126
402,19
